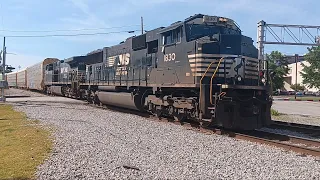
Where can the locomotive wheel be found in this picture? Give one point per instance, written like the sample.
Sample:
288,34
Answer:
158,113
96,99
92,97
205,124
88,97
180,117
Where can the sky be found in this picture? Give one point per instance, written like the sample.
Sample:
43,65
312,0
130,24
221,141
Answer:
56,17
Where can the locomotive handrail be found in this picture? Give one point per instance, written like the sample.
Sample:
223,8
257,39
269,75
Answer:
204,74
213,75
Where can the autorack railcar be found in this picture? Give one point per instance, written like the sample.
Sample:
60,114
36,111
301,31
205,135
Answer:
12,79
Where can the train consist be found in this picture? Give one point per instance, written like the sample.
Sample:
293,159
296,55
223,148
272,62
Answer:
201,69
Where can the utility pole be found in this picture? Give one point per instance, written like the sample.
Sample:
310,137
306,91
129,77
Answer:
296,56
141,25
260,40
3,67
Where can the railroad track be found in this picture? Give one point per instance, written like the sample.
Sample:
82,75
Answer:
296,144
299,145
313,131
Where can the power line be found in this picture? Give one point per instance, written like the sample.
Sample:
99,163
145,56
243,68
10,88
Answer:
61,35
66,30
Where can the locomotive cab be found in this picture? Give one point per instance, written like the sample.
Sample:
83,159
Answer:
232,92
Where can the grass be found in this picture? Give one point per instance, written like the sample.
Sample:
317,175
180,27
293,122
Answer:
305,98
23,145
275,112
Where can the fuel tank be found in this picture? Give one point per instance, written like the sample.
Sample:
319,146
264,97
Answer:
119,99
107,88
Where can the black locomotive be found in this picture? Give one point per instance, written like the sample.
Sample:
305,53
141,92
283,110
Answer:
201,69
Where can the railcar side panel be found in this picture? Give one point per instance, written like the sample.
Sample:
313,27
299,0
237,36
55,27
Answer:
12,79
22,78
35,74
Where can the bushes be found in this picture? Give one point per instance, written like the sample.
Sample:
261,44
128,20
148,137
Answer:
298,88
275,112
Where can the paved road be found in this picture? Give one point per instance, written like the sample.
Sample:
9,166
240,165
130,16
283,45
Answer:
56,99
297,107
28,96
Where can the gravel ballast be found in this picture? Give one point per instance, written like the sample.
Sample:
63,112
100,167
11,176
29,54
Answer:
92,143
21,92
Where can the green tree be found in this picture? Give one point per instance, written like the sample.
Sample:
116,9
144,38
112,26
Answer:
311,72
299,87
278,64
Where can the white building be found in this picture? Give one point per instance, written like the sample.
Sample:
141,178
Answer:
291,77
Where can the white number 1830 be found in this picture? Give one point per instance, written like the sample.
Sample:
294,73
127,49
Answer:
169,57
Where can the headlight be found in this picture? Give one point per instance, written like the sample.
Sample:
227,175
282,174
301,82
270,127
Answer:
263,80
239,78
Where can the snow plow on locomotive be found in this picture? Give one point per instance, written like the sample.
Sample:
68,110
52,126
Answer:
201,69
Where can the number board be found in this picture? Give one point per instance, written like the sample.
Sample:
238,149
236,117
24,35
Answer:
212,19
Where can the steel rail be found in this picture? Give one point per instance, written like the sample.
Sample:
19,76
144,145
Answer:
310,147
278,140
292,147
285,138
304,128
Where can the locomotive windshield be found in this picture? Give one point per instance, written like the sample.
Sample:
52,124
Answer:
196,31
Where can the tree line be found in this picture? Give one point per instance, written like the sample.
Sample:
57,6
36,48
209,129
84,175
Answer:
279,67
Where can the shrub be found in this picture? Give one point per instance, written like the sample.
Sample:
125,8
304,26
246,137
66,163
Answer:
299,87
274,112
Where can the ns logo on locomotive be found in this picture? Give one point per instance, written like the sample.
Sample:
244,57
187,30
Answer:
201,69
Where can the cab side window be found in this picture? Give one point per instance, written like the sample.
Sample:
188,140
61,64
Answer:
172,37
